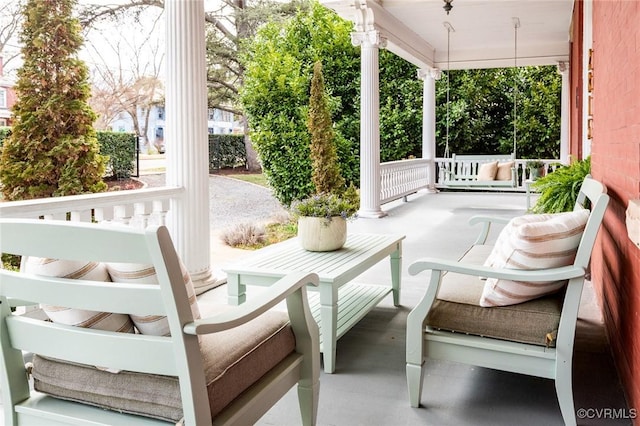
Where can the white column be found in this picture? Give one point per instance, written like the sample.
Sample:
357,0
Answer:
429,76
565,113
369,42
186,137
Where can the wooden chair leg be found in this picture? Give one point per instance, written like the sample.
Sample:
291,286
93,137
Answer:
308,400
564,390
415,376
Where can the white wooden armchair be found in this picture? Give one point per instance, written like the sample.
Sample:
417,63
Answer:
226,369
534,337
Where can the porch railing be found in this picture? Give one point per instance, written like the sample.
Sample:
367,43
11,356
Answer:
138,207
401,178
150,205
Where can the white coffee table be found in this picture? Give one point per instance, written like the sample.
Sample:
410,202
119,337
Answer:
338,303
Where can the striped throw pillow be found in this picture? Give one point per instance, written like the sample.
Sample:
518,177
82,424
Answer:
93,271
134,273
533,242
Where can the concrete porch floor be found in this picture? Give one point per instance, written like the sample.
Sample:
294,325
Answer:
369,385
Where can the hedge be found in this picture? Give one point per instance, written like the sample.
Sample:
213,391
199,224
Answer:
121,149
226,151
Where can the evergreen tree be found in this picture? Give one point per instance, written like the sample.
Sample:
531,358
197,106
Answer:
53,150
324,159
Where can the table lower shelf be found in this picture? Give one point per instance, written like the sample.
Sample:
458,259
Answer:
354,302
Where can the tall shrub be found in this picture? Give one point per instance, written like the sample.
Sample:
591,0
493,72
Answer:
324,159
275,97
52,150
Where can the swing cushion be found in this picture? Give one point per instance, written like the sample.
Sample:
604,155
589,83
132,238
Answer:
487,171
504,170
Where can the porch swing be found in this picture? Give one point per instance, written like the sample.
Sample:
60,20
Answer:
489,171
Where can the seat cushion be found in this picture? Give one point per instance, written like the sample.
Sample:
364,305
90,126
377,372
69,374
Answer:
233,360
535,322
457,308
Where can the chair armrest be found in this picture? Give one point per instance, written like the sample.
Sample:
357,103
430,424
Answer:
281,290
539,275
486,222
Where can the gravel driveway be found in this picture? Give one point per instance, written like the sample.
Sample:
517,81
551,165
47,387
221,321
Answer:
232,201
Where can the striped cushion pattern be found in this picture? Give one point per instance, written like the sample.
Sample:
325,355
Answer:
93,271
136,273
532,242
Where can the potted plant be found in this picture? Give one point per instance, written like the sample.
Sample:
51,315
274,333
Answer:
559,189
536,169
322,219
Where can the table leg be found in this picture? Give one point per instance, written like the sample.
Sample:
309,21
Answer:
329,324
236,292
396,264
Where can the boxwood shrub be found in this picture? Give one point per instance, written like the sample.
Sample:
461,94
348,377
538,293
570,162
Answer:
226,151
121,149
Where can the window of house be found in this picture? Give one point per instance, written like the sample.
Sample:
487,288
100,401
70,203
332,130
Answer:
3,122
3,98
160,113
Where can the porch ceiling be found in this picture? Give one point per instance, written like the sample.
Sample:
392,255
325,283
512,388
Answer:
484,30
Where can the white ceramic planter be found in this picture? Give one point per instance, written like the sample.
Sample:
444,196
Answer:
315,234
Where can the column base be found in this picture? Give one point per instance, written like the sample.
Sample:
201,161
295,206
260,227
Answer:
205,280
431,190
371,214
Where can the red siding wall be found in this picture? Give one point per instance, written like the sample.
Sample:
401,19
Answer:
616,162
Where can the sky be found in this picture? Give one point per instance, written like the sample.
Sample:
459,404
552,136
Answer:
102,40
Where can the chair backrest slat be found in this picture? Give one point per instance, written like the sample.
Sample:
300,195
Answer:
93,347
142,299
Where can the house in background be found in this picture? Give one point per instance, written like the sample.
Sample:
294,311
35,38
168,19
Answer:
219,122
7,97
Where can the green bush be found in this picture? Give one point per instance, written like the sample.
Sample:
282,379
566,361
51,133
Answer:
53,149
226,151
275,97
121,150
559,189
5,132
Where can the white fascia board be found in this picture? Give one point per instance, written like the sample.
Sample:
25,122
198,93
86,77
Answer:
368,15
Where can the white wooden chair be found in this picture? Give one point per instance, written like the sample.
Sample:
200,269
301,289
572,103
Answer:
520,341
182,361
